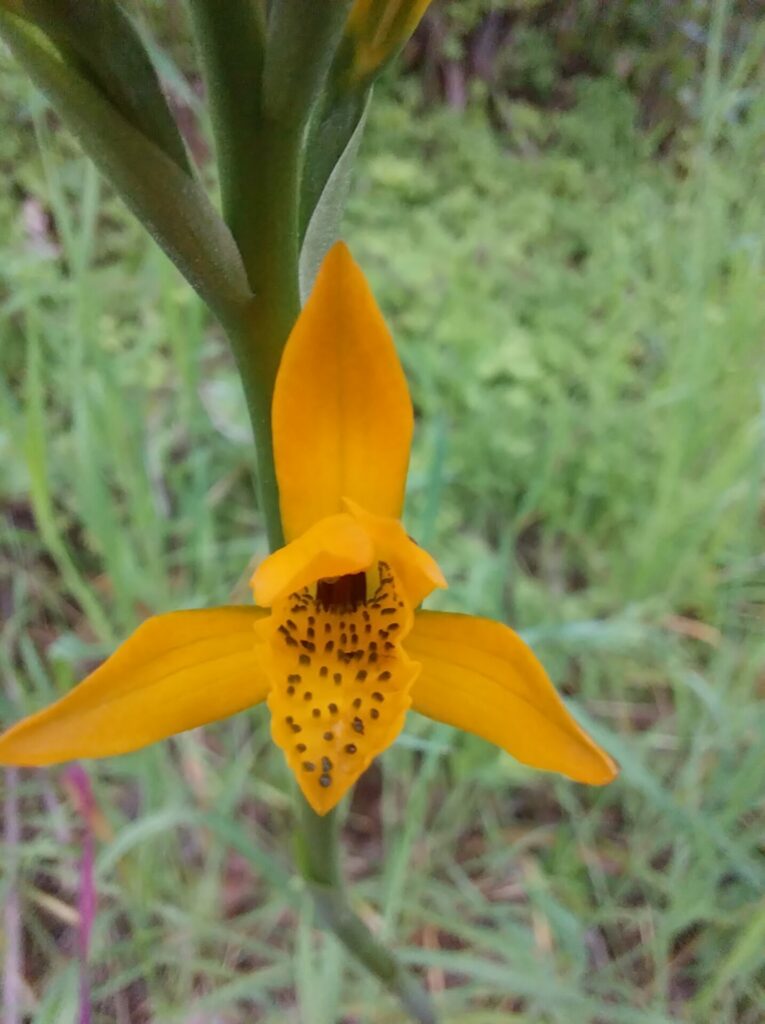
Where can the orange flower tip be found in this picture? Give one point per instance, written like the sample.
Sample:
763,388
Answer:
15,755
593,767
437,577
609,770
339,256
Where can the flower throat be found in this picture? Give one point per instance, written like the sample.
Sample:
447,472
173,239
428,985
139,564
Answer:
343,593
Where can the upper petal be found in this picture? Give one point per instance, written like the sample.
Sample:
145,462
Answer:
335,546
342,416
175,672
480,676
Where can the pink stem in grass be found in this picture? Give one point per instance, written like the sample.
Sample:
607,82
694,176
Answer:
12,968
78,779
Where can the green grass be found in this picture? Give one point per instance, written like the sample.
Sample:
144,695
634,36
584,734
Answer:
582,327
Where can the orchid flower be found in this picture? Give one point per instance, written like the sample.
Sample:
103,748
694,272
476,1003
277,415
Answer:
337,643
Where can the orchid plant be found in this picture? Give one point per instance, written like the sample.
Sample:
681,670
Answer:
336,642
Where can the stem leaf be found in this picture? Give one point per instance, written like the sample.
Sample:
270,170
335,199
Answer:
99,40
324,225
171,204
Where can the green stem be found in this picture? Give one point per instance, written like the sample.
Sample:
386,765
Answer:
268,240
257,368
230,38
264,219
320,866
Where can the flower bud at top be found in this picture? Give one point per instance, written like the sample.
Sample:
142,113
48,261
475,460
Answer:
378,29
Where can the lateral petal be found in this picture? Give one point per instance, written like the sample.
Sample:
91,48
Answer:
175,672
418,572
479,676
342,416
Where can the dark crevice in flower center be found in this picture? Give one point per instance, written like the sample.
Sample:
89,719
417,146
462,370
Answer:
343,593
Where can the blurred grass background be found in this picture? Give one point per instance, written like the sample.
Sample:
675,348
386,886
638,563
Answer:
561,210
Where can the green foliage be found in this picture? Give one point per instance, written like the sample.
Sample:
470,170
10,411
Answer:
99,41
569,385
582,329
171,204
535,51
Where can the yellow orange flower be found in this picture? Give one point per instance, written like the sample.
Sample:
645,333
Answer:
338,646
379,28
